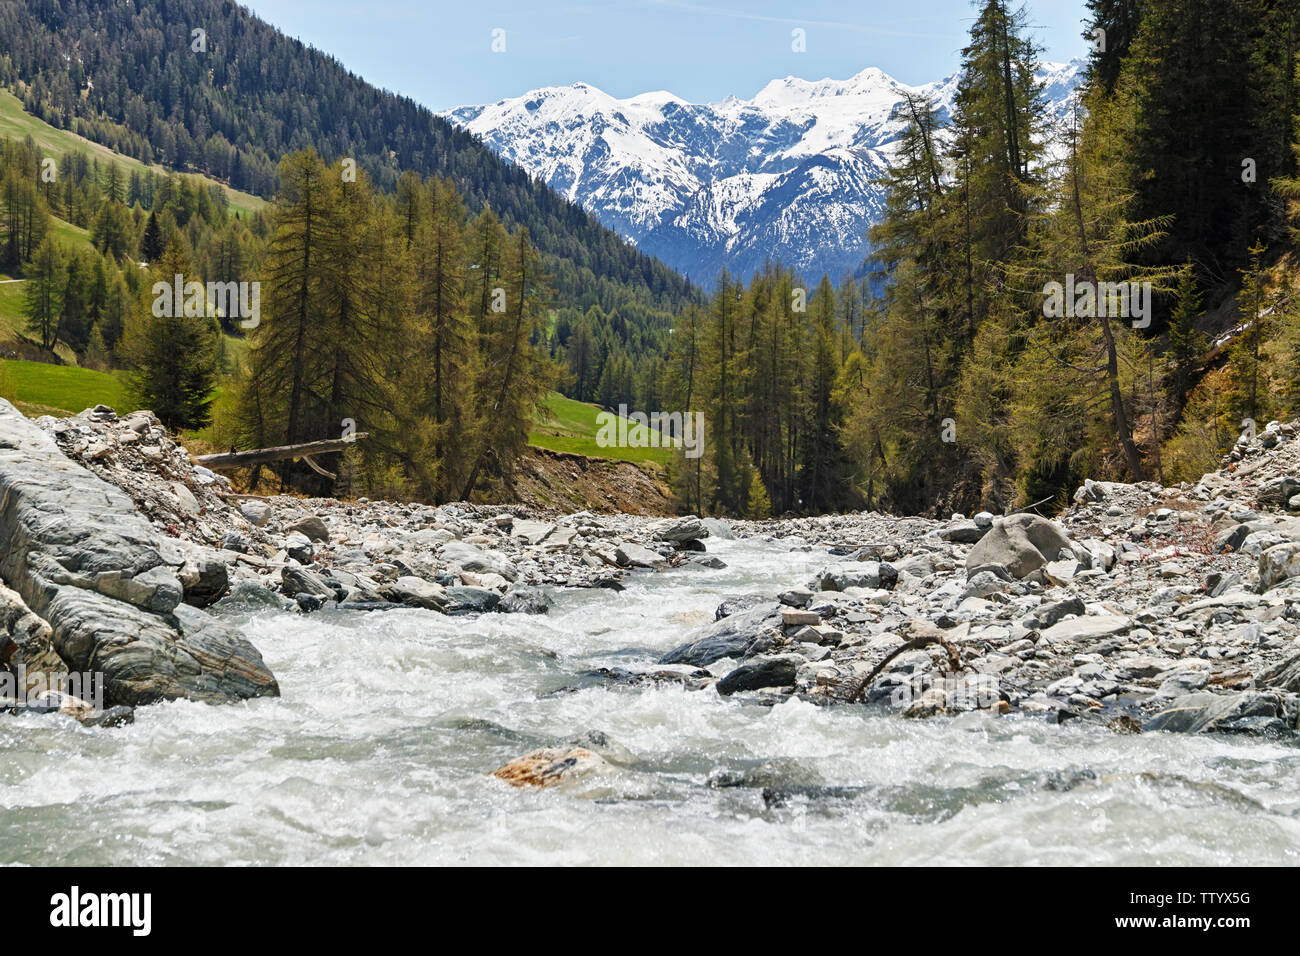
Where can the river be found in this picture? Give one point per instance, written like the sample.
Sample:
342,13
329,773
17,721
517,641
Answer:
380,749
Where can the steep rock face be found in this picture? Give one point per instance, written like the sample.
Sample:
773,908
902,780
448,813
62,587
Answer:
87,563
791,174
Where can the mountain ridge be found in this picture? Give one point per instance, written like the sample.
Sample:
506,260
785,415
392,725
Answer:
787,174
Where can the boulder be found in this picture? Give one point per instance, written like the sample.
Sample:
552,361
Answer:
467,557
466,599
88,563
740,635
25,645
689,528
523,599
635,556
868,574
762,672
964,532
416,592
1278,564
531,532
1021,543
1246,712
742,602
298,546
312,526
1088,628
258,513
718,528
550,766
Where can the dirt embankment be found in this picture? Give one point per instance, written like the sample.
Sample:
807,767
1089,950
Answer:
560,482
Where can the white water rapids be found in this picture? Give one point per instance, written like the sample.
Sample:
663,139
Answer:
380,750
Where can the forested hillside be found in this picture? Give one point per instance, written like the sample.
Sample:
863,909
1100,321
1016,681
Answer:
127,75
1171,191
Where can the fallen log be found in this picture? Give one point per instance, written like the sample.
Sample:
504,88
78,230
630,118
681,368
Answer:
262,456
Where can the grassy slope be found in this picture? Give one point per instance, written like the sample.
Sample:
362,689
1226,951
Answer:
567,425
17,123
38,388
564,425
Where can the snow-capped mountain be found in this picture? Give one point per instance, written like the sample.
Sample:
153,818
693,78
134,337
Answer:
787,175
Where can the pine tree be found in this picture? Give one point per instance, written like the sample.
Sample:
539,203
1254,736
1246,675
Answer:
1186,345
173,358
43,294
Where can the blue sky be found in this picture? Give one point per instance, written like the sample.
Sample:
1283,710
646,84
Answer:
440,53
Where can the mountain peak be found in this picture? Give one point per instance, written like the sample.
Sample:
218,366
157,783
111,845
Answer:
789,174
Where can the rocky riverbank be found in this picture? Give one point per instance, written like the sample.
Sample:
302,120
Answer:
1140,607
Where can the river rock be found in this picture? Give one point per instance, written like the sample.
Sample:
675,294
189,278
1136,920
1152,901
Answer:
718,528
633,555
469,558
742,602
762,672
550,766
740,635
311,526
295,580
1021,543
25,645
89,564
868,574
690,528
1278,564
1248,712
258,513
1089,628
466,599
417,592
522,599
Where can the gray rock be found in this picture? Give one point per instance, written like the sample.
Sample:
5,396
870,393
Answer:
763,672
88,563
417,592
1045,615
635,556
258,513
740,635
298,546
1283,676
1278,564
718,528
743,602
300,580
478,561
246,596
964,532
469,599
1089,628
531,532
1021,543
312,526
235,541
204,579
689,528
1247,712
868,574
795,597
522,599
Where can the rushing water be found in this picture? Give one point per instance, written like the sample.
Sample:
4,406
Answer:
380,750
